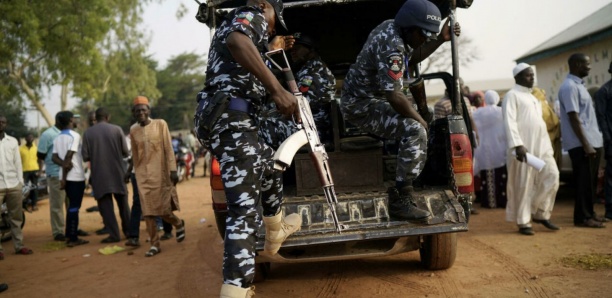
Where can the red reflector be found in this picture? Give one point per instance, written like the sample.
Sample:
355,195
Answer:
215,169
462,162
216,182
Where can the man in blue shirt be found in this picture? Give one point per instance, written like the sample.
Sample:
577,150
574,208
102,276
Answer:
581,138
57,197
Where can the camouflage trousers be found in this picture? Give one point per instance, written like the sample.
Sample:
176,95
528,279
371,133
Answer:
383,121
274,129
248,174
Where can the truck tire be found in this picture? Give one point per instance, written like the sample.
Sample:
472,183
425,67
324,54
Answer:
438,251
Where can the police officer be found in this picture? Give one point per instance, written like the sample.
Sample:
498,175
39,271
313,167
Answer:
236,68
314,80
379,69
317,84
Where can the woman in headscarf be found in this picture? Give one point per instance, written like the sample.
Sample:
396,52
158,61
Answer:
490,155
478,99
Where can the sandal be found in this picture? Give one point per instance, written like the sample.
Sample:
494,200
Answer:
152,251
180,233
24,251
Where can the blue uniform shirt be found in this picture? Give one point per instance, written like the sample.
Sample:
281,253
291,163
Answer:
45,146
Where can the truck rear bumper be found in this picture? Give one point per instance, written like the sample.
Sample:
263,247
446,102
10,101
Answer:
371,232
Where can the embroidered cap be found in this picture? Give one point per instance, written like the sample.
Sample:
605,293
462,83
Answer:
141,100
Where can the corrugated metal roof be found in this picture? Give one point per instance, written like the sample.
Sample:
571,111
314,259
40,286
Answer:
596,23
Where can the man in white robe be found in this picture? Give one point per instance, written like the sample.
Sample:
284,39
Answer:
531,194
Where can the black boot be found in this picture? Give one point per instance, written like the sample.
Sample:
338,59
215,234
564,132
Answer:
402,206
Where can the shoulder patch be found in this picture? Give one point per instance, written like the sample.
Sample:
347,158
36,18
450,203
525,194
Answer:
244,18
305,83
395,65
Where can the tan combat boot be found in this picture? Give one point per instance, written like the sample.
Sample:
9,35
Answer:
278,229
231,291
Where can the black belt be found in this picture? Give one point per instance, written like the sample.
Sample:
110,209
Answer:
241,105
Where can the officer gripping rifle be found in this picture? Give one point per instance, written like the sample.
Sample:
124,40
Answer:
307,134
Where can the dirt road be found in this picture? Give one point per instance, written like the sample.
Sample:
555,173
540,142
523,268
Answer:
493,260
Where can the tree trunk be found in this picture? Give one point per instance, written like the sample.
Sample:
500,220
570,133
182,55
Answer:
36,101
64,97
16,74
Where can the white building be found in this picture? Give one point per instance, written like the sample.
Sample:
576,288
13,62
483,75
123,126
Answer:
591,36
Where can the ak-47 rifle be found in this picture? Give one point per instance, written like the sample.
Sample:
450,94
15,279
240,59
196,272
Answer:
307,134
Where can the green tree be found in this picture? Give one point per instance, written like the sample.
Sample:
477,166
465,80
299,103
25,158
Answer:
15,116
179,82
128,74
63,42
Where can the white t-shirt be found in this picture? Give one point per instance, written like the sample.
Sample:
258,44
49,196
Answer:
69,140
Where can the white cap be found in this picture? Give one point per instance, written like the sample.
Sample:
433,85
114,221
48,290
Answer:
519,67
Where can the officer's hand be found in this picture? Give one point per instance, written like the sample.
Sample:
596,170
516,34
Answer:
424,124
127,177
289,41
446,33
457,29
174,177
286,104
281,42
521,153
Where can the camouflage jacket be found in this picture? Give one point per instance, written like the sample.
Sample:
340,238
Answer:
318,85
380,67
224,73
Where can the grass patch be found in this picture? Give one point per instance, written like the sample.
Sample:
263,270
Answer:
53,246
588,261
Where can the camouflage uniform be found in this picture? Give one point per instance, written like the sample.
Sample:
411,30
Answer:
275,128
318,85
245,160
379,68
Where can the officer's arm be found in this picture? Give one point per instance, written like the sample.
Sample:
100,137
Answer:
400,104
244,51
427,49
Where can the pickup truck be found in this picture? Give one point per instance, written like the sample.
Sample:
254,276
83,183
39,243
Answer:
362,165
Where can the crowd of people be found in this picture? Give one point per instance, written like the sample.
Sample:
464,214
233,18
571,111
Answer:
110,156
524,125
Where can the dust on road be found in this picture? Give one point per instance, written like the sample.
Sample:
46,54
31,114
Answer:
493,260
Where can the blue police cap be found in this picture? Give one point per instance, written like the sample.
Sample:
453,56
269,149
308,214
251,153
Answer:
419,13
